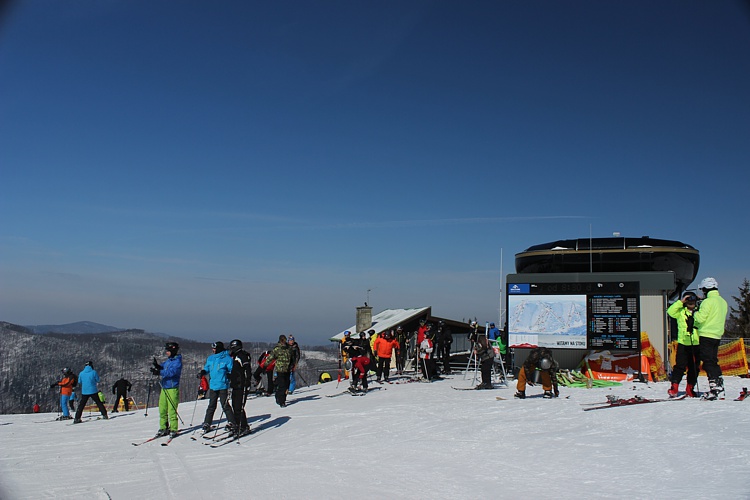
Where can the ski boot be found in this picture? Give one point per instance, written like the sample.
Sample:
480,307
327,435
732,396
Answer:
548,395
690,392
173,434
520,395
672,392
715,390
162,432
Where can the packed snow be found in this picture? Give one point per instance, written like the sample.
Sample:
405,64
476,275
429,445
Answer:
407,440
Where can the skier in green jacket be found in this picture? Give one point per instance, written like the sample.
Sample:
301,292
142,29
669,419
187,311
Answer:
710,318
686,357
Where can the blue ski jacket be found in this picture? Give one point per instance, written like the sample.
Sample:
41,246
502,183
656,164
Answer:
171,371
219,366
88,379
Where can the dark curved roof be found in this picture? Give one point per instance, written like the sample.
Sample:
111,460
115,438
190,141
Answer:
616,254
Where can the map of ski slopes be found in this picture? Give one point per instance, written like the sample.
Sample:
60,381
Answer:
543,319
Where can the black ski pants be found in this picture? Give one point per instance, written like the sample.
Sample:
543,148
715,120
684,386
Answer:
238,408
85,399
709,355
282,385
383,368
687,358
125,402
213,398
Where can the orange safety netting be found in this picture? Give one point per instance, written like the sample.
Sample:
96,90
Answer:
732,357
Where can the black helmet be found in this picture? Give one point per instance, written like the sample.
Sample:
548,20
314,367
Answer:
172,347
90,363
690,296
219,346
235,345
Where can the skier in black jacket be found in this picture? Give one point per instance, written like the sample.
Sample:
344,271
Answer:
121,389
240,381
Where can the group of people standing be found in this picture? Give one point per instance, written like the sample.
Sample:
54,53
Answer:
699,331
224,370
89,380
232,369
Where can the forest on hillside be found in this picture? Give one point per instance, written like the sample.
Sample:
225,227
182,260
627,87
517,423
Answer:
30,362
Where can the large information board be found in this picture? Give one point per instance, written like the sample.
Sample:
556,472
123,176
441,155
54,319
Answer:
595,315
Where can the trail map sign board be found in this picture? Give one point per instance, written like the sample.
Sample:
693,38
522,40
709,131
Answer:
595,315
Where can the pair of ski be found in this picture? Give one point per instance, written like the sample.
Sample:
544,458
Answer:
615,402
226,438
358,393
165,443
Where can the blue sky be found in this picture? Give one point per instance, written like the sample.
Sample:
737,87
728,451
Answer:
242,169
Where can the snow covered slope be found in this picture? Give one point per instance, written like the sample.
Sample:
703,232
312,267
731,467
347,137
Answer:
401,441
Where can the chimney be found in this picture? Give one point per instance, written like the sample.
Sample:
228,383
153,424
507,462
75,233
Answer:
364,318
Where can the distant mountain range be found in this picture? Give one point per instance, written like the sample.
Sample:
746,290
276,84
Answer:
77,327
30,362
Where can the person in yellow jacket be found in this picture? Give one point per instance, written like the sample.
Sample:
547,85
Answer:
710,318
687,344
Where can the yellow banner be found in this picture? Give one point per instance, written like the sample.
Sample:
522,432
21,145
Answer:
732,357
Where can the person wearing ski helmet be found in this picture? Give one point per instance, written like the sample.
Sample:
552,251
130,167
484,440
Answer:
357,351
485,356
170,371
540,365
240,382
218,367
446,340
687,355
89,380
401,338
710,319
282,356
383,347
343,354
65,384
427,363
296,355
120,389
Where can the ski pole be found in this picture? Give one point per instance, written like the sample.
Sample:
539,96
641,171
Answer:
692,359
194,407
148,397
216,431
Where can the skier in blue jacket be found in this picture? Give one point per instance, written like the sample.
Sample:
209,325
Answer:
89,379
170,371
218,367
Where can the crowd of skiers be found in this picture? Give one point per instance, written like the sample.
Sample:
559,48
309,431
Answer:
228,378
429,348
89,380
